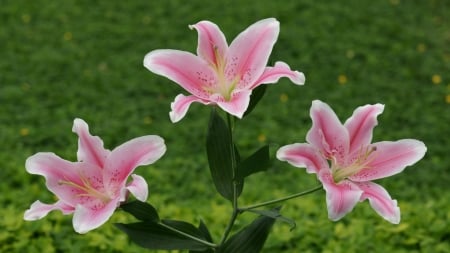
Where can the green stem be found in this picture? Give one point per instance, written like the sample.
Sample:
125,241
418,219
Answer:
296,195
235,193
212,245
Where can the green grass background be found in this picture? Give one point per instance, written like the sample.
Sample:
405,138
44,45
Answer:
65,59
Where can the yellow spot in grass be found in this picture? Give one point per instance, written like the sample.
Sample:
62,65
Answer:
146,20
436,79
395,2
262,138
26,18
342,79
68,36
284,98
25,86
24,131
447,99
148,120
350,54
421,48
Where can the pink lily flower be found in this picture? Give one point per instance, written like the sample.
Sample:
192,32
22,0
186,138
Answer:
94,186
220,74
346,162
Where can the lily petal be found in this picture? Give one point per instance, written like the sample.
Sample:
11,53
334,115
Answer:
39,210
87,219
390,158
211,42
54,169
138,187
361,124
341,198
327,133
302,155
238,103
191,72
181,105
125,158
281,69
90,148
250,50
380,201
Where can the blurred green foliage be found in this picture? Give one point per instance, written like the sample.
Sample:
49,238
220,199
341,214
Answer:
66,59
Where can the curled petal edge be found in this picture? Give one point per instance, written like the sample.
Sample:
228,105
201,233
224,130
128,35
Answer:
181,105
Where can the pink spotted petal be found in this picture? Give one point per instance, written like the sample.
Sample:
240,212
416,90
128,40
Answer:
341,198
211,42
191,72
238,103
281,69
181,105
90,148
54,169
327,133
86,219
302,155
138,187
360,125
381,201
250,50
125,158
391,158
39,210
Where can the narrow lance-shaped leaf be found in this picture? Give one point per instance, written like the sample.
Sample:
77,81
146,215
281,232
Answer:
257,162
152,235
204,230
275,214
250,239
141,211
219,149
256,96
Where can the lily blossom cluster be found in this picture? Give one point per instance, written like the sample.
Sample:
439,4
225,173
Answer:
219,74
94,186
342,156
346,162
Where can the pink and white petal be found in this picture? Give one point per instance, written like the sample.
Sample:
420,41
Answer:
211,42
327,133
361,124
86,219
381,201
341,198
390,158
39,210
55,170
90,148
181,105
238,103
302,155
138,187
125,158
273,74
191,72
250,50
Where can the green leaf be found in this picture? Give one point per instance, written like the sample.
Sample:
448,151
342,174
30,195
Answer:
257,162
256,96
204,230
275,214
219,148
250,239
152,235
141,211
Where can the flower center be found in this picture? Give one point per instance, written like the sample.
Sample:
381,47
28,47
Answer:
361,162
87,189
223,86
